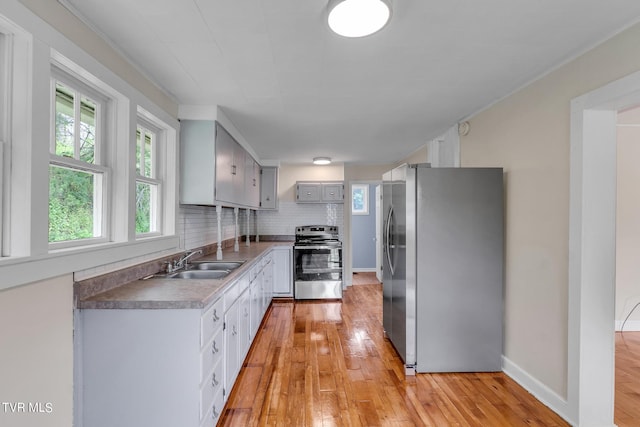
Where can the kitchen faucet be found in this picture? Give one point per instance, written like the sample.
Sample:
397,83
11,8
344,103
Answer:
182,262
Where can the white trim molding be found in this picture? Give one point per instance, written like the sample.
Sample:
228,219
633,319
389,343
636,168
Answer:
591,345
444,151
630,326
540,391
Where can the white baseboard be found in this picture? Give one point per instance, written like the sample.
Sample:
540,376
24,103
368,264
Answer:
630,326
540,391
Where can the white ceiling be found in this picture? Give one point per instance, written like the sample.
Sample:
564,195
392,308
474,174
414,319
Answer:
295,90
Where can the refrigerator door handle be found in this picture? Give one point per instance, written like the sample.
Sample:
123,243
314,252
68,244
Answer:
389,246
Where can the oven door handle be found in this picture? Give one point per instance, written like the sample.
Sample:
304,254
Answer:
317,247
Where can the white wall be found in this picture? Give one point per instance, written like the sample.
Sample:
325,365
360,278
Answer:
289,213
36,353
36,337
528,134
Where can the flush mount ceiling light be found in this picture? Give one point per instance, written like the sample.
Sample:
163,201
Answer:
358,18
321,160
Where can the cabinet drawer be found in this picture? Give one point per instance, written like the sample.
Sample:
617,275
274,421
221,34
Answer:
211,353
214,411
212,385
211,321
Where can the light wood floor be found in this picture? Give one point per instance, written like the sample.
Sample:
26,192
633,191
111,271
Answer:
328,364
627,400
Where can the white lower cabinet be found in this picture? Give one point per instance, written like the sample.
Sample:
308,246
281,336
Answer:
231,341
210,389
267,283
255,305
146,367
282,271
214,411
244,314
169,367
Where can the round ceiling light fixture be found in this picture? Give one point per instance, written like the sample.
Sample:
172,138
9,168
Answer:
358,18
321,160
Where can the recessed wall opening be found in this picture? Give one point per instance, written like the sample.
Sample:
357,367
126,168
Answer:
627,283
592,250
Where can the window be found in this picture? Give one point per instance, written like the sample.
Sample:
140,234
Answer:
148,184
360,199
78,177
83,126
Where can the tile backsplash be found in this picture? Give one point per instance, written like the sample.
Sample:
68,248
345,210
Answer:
291,214
197,227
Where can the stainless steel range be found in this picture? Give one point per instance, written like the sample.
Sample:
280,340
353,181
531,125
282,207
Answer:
317,257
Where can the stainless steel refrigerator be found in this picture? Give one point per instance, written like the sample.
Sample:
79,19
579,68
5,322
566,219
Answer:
443,249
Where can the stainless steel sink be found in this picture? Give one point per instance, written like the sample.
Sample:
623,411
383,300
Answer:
214,265
198,274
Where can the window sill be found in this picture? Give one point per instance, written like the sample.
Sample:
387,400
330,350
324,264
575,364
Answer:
16,271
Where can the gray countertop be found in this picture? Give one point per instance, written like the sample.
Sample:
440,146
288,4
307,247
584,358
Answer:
162,293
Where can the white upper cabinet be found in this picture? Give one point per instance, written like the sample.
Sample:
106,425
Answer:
269,188
252,181
215,169
197,162
230,167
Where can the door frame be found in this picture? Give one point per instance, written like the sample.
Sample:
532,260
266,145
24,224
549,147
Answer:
347,200
592,210
378,204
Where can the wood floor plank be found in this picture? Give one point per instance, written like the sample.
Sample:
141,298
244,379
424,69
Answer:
329,364
627,398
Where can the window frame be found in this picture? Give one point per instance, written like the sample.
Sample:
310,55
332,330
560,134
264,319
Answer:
27,257
100,168
148,124
364,189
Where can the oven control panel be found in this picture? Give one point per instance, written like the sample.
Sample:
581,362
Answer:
316,229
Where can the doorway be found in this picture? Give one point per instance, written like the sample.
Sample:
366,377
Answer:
628,221
364,229
627,294
592,222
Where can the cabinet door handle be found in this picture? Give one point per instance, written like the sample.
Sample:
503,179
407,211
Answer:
233,330
214,349
214,381
214,413
233,169
215,316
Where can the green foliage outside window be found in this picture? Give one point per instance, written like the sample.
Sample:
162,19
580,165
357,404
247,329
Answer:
143,208
70,204
145,192
75,190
